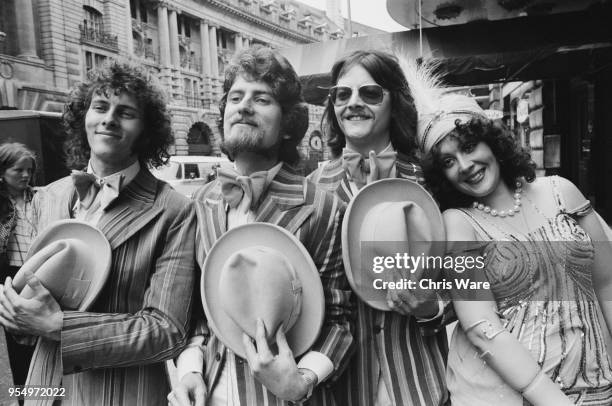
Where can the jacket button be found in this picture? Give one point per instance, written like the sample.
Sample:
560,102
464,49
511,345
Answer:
218,357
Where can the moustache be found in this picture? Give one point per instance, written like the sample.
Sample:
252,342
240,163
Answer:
242,120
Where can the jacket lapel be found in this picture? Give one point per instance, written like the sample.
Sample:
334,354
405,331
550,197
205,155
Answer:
132,210
284,201
214,215
405,168
334,178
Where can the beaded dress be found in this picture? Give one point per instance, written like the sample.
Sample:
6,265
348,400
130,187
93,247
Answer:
542,285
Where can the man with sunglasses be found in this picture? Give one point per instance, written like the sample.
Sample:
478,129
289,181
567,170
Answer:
370,122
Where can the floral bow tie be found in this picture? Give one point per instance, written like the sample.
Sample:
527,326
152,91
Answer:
367,170
236,187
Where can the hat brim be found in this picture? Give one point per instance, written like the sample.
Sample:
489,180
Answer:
386,190
100,253
308,325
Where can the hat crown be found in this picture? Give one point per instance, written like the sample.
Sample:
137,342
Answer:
260,283
71,259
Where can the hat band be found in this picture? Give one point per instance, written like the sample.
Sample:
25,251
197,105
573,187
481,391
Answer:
442,114
296,309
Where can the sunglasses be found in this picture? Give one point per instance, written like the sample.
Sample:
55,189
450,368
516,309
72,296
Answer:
370,94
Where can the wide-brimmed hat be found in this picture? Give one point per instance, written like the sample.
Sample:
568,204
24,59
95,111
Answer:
260,270
388,217
72,259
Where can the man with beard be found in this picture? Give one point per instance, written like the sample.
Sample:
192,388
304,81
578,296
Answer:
263,121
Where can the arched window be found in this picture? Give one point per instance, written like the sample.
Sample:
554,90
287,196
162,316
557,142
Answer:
199,139
93,20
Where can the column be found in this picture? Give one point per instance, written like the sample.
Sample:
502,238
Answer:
237,41
175,56
26,33
164,44
205,47
214,61
246,42
128,32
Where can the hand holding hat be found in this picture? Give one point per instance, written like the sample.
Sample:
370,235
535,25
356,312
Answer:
38,314
259,282
386,218
67,265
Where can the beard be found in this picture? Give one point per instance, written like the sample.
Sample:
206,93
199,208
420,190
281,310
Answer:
241,140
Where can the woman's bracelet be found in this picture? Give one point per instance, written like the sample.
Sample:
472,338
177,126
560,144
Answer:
534,382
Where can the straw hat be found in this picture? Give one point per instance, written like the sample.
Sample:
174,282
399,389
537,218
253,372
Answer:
72,259
387,217
260,270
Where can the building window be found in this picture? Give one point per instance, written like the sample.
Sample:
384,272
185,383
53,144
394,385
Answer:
143,12
93,61
93,33
93,20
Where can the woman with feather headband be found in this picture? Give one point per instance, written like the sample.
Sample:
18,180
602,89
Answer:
535,337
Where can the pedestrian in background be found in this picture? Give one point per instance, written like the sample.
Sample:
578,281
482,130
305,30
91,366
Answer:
17,166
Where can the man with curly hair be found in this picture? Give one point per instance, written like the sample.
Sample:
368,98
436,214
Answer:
263,120
113,354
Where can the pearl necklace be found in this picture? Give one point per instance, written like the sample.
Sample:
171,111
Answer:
518,195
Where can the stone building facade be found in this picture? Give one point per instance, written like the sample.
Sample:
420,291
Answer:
47,46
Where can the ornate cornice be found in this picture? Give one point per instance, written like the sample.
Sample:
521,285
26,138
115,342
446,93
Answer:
257,20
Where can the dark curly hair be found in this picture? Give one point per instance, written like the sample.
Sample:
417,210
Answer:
514,161
262,64
117,77
386,71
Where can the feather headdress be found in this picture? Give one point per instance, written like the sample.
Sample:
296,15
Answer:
437,110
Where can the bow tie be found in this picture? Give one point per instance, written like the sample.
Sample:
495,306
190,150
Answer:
89,185
367,170
236,187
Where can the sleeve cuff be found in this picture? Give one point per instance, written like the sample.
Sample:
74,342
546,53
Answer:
318,363
439,314
191,359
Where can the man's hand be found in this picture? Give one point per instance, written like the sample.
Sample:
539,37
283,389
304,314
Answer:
416,302
40,316
191,390
278,373
407,303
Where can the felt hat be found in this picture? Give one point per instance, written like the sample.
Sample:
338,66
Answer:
72,259
386,218
260,270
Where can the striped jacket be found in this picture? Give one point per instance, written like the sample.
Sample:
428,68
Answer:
410,357
314,217
113,354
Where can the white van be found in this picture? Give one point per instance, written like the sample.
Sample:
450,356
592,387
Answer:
188,173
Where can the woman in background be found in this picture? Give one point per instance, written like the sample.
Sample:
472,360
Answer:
17,165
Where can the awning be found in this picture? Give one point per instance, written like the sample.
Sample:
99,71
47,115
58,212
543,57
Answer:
535,47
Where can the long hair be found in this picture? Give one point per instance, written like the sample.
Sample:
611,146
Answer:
115,78
10,154
262,64
386,71
514,161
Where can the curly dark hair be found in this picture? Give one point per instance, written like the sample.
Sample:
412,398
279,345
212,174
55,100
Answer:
117,77
386,71
514,161
261,63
